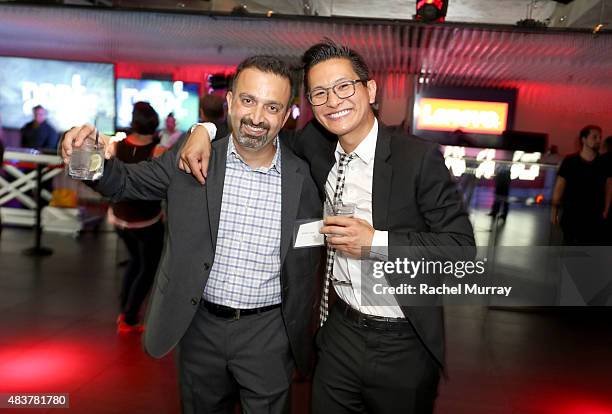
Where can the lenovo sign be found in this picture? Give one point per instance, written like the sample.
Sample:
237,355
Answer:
469,116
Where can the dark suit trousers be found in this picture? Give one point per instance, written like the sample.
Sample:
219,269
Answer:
367,370
221,360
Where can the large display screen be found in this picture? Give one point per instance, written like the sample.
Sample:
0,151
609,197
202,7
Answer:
470,116
72,92
182,99
473,117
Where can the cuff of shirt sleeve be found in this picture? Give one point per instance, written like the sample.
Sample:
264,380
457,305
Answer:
380,244
380,239
210,127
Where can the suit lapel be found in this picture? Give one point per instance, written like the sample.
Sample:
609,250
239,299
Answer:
214,187
291,189
325,164
381,183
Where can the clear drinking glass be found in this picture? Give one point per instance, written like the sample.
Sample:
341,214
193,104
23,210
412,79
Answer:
339,209
87,161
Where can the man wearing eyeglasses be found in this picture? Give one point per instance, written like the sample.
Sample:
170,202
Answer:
382,358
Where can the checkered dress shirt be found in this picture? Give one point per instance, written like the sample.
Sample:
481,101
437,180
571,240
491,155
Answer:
246,270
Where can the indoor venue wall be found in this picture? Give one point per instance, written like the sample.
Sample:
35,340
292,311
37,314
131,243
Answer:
562,110
184,72
395,97
555,109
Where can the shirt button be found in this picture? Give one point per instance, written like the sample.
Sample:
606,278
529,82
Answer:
194,301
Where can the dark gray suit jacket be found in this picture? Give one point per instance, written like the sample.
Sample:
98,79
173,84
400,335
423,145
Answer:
413,198
193,222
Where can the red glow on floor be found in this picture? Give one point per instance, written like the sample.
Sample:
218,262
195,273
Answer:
586,407
569,402
41,367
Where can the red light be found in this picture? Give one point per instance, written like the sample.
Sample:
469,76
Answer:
431,10
54,365
539,198
567,399
587,407
41,368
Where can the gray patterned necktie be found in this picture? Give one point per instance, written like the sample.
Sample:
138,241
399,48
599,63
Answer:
331,253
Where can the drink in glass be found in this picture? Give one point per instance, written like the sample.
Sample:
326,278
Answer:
87,161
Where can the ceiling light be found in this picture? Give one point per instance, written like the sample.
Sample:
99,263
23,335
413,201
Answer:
431,10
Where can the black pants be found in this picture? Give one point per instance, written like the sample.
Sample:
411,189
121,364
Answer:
577,232
223,360
500,204
145,247
366,370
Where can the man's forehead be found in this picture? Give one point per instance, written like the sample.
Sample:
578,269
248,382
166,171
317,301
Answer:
263,85
330,71
256,75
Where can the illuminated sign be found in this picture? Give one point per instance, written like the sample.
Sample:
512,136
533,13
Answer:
469,116
520,170
523,166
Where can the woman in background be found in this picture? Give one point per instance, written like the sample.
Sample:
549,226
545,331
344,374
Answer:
138,223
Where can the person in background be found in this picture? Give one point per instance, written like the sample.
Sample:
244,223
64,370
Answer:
578,201
1,159
169,135
502,191
38,133
606,157
138,223
212,110
550,163
1,130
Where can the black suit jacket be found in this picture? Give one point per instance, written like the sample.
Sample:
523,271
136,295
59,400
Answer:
413,198
193,222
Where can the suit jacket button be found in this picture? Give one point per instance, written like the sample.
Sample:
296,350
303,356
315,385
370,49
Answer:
206,266
194,301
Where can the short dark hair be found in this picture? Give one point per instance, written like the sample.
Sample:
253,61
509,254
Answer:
212,107
268,64
608,144
37,107
144,119
328,49
584,132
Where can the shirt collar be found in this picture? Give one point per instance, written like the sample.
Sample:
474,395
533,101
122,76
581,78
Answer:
276,164
367,148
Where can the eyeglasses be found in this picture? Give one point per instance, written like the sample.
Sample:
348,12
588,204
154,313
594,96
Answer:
343,90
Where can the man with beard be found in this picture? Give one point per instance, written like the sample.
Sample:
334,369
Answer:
580,192
231,290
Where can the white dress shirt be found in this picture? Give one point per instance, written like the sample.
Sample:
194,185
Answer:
358,190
